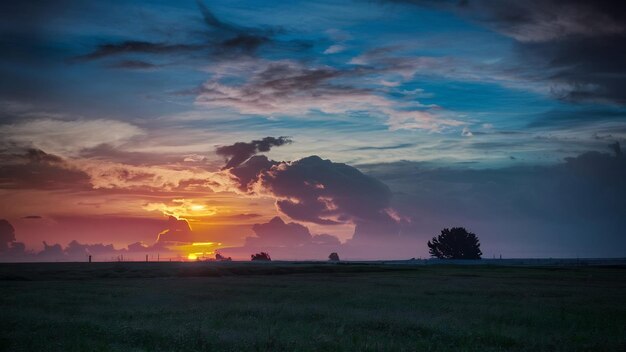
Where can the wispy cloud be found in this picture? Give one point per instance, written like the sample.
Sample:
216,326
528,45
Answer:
285,87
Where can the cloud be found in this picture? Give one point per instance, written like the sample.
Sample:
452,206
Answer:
285,241
134,47
544,21
325,240
574,45
7,235
387,147
112,175
277,233
35,169
334,49
220,40
177,231
285,87
239,152
32,217
570,208
166,244
51,252
247,173
133,65
322,192
76,250
182,208
68,137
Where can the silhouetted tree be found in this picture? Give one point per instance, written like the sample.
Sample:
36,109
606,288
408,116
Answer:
222,258
455,243
261,256
333,257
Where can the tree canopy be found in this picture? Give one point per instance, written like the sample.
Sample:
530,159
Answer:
455,243
263,256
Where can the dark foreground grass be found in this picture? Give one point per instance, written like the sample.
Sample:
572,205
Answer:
243,307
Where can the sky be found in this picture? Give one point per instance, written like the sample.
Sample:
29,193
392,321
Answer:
179,129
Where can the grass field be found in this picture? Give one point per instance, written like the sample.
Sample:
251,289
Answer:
309,307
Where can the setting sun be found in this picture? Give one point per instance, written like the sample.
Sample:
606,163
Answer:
197,207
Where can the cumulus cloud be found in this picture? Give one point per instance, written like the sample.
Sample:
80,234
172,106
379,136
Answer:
177,231
285,241
51,252
75,249
241,151
277,233
166,243
323,192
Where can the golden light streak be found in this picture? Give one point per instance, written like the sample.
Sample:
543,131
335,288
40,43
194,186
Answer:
182,209
206,244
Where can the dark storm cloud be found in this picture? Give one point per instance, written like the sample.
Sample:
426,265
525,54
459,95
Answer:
323,192
35,169
239,152
248,172
176,231
576,45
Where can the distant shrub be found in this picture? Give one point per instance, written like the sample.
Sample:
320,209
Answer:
455,243
222,258
333,257
261,257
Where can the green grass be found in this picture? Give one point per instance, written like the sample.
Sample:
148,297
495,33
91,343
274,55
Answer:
304,307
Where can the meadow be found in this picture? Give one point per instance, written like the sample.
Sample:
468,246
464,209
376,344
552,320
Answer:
310,307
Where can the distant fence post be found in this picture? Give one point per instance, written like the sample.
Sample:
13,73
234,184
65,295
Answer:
90,258
146,258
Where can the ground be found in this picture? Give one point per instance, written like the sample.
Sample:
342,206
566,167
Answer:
310,307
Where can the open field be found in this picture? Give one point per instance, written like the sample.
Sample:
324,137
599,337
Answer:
310,307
